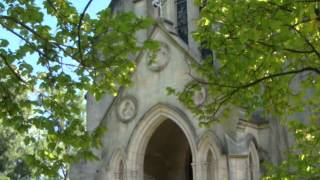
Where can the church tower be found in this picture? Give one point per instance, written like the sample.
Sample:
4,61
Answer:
152,136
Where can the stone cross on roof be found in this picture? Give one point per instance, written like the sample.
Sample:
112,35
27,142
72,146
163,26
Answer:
159,4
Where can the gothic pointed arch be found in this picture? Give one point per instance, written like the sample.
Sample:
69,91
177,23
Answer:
117,164
121,174
209,152
253,162
143,131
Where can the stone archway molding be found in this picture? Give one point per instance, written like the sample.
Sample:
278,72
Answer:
117,157
143,131
253,152
209,142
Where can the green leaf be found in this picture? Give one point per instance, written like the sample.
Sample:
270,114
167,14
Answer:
4,43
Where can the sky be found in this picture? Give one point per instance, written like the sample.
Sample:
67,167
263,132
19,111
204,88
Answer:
96,6
15,42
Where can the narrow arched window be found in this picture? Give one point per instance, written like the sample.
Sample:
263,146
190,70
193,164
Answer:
253,163
205,51
121,171
251,167
182,19
210,166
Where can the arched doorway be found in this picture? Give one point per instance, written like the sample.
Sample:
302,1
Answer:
144,131
168,155
209,155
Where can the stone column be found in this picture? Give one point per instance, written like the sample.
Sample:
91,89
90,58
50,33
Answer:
133,175
238,167
200,170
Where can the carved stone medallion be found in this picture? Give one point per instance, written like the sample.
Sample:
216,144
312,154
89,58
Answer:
200,96
161,60
127,108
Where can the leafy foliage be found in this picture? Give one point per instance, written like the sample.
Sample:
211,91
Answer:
262,48
42,82
303,158
266,56
12,163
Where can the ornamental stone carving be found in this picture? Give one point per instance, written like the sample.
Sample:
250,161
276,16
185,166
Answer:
162,59
127,108
200,96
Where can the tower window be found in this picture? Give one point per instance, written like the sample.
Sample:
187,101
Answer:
121,171
205,52
251,167
182,20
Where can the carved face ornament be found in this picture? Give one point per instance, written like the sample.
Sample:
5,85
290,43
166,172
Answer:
162,59
127,108
200,96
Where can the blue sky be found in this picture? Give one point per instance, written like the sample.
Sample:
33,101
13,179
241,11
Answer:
96,6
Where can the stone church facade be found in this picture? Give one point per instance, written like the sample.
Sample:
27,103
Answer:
152,136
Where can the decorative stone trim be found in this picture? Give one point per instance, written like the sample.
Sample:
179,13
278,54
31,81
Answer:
127,108
200,164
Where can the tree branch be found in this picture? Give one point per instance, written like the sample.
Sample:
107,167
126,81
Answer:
229,95
18,77
271,76
23,25
34,47
201,81
58,13
285,49
306,40
298,51
282,7
47,41
236,89
26,41
79,26
41,38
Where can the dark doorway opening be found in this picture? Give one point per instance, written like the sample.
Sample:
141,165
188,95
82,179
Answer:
168,155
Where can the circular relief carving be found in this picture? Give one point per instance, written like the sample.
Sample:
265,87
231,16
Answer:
200,96
127,108
161,60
